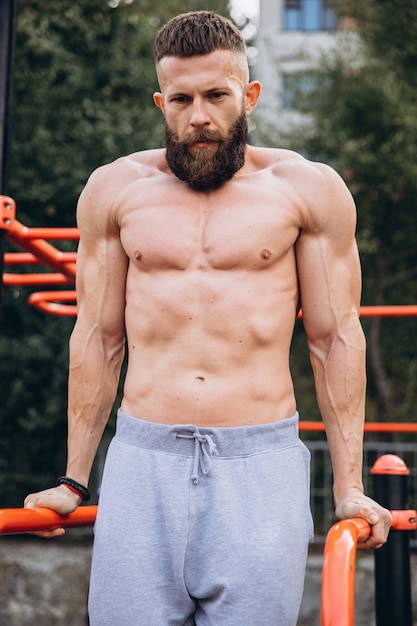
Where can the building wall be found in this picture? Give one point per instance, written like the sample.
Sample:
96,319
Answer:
283,54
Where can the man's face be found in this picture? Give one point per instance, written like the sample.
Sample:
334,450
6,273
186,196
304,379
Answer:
193,161
205,103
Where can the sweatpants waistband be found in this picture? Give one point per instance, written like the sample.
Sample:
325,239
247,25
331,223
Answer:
235,441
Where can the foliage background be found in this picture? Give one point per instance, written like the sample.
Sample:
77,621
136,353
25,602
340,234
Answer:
83,85
360,117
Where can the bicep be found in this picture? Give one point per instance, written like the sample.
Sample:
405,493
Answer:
101,268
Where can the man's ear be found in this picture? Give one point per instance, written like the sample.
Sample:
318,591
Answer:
251,97
158,99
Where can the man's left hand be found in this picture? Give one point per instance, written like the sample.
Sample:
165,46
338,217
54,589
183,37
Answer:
356,504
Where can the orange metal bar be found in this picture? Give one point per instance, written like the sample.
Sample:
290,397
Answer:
404,520
25,280
46,301
311,426
46,233
26,258
338,578
16,521
390,427
33,240
370,427
38,250
400,310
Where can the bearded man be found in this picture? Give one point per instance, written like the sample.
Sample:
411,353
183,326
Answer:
201,256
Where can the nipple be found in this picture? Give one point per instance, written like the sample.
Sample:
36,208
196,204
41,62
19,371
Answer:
138,255
266,254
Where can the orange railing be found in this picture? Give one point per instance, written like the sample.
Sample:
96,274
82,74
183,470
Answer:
15,521
370,427
338,577
35,242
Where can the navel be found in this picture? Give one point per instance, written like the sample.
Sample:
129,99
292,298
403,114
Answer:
266,254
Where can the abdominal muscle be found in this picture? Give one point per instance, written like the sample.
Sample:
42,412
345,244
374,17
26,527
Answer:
209,348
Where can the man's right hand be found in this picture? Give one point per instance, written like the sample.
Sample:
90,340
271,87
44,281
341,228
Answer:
59,499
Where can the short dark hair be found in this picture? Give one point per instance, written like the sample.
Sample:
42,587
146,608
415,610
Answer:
197,32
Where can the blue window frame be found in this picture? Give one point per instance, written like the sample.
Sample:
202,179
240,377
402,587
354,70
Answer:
309,15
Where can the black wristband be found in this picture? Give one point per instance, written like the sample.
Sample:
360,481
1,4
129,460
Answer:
83,491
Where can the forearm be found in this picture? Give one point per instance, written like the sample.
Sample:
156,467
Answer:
92,387
93,379
340,377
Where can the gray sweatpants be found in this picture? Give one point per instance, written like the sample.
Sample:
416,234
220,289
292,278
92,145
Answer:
204,526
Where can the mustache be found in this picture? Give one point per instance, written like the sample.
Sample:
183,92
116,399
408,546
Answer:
199,136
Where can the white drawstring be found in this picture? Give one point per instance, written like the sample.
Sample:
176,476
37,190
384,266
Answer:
204,449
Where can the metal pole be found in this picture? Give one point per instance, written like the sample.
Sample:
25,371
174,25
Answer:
8,13
392,561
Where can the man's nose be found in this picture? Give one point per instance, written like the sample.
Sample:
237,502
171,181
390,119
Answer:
199,115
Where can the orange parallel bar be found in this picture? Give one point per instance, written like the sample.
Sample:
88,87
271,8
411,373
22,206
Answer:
400,310
386,310
25,280
51,302
338,578
370,427
26,258
33,240
16,521
390,427
339,560
44,233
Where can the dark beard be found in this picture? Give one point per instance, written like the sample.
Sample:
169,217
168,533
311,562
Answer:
204,170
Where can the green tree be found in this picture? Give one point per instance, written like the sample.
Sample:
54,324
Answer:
84,83
84,79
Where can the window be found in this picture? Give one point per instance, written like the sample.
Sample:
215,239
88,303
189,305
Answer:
309,15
